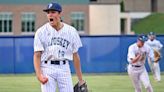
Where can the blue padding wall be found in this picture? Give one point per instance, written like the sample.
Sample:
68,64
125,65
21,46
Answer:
99,54
23,55
7,55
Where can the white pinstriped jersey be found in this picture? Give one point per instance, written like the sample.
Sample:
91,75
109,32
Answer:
144,51
137,71
57,45
155,44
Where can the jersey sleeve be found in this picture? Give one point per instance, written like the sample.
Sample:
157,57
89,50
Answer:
38,46
76,42
160,45
131,54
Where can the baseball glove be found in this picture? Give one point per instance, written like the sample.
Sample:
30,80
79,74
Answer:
80,88
157,56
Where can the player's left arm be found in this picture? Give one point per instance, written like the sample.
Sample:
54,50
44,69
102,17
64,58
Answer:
76,58
160,46
77,65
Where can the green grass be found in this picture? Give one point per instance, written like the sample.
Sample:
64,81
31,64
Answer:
96,83
154,23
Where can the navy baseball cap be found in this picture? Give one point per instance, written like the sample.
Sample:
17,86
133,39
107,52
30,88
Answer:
53,6
142,38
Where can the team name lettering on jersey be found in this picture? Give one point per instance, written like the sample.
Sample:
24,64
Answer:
153,45
59,41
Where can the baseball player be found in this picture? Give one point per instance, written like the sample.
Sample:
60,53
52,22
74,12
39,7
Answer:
136,57
155,45
55,43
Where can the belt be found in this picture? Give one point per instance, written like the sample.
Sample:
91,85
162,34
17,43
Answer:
136,66
56,62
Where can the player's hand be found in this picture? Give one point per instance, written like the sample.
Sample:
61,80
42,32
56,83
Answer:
43,79
138,56
81,82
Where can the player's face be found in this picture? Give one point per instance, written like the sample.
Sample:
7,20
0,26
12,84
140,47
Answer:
140,43
151,37
53,17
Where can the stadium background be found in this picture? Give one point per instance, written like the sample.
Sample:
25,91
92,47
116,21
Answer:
107,28
106,35
99,54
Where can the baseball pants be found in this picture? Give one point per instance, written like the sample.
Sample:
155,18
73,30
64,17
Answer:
155,68
58,76
139,75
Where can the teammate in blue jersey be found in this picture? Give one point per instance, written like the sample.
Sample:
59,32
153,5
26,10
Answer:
55,44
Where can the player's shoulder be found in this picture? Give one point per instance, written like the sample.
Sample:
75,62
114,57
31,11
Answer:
69,27
157,41
41,29
132,46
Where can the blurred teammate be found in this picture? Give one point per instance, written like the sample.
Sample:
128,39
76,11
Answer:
136,57
54,44
155,45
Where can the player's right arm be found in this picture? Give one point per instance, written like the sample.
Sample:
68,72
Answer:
132,57
37,59
135,59
38,48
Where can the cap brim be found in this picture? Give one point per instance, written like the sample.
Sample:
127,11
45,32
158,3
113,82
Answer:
46,10
142,40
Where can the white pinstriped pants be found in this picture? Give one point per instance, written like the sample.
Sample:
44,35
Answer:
138,75
155,68
58,75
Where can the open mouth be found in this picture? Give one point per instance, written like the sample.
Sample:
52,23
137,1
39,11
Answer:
51,19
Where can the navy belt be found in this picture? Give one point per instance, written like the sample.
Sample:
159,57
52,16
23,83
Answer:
136,66
56,62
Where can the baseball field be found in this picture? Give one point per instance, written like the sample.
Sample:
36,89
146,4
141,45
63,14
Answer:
96,83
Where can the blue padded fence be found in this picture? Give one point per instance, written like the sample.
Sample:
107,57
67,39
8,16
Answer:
99,54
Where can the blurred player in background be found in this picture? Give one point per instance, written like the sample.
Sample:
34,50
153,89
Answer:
156,46
136,57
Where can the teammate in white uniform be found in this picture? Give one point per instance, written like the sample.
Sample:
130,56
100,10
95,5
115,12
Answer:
155,45
54,44
136,57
